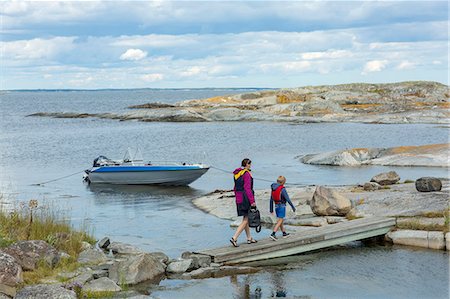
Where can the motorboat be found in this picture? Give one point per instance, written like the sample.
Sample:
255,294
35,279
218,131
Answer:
134,171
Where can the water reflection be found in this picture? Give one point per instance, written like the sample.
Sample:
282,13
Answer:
243,290
125,193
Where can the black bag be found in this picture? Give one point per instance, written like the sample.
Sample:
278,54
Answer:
254,219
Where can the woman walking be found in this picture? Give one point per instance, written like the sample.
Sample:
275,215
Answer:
243,190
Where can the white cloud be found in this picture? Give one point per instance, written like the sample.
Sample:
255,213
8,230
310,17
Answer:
37,49
152,77
374,66
133,54
406,65
331,54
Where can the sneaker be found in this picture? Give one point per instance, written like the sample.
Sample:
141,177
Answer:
286,235
273,237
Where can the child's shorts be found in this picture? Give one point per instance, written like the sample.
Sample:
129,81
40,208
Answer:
280,210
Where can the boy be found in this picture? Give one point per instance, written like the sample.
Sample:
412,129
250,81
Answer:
279,197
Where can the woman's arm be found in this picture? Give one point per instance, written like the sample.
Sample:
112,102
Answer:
248,187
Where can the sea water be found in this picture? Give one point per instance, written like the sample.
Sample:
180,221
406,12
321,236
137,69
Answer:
36,150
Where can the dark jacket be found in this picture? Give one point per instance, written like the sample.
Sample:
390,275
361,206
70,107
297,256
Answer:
284,197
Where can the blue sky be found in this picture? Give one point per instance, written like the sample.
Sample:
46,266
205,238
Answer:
193,44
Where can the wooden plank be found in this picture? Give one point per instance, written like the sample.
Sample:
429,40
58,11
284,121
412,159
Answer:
278,246
330,229
309,240
309,247
313,232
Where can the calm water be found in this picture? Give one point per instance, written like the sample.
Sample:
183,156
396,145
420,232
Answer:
35,150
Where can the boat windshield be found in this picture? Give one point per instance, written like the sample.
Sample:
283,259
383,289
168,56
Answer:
133,157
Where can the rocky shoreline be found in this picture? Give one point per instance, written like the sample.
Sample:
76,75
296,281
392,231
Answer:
115,269
395,103
432,155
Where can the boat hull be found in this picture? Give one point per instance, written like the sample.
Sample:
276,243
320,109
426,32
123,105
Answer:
173,176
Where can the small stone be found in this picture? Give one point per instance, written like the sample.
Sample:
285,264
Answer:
386,178
199,260
371,186
99,273
123,248
85,245
312,221
179,266
335,219
91,256
103,284
104,243
82,279
428,184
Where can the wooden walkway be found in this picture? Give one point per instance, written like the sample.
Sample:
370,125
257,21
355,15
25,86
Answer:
326,236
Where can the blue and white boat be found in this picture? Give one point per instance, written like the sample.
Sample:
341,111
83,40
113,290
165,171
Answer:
136,172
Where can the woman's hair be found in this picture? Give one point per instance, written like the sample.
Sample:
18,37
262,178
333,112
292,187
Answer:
245,162
281,180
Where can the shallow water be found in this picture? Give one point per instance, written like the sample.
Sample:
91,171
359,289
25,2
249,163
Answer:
35,150
349,272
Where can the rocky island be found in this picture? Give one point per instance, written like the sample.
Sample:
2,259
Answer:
403,102
435,155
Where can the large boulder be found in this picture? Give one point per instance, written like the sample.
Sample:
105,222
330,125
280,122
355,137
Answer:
103,284
386,178
136,268
45,291
91,256
29,253
328,202
428,184
10,270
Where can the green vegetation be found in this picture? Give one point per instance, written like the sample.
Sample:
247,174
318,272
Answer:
35,221
417,225
94,295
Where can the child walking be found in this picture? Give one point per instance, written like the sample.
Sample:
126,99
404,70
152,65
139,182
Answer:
279,197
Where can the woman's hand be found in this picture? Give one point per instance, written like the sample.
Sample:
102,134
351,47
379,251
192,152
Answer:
254,204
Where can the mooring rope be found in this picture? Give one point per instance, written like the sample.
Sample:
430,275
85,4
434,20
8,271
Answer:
259,179
57,179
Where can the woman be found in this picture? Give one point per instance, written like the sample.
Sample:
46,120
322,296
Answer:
243,190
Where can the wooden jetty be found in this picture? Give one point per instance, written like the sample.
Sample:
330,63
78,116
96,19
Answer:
326,236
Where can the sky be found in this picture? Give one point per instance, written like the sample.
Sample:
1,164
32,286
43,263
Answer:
197,44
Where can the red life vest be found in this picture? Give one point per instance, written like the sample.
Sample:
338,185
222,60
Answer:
276,194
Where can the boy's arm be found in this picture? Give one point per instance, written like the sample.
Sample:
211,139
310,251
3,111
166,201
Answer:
288,200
